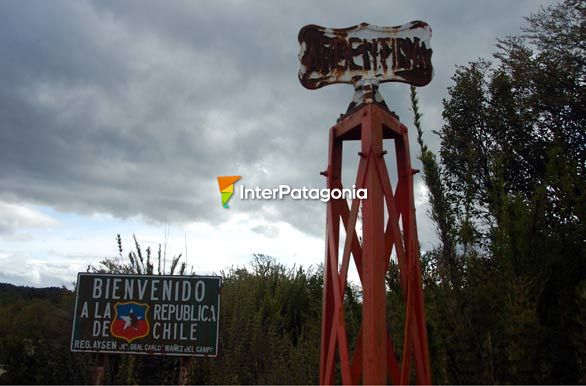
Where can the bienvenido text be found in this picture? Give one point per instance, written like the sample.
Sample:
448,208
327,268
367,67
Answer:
150,289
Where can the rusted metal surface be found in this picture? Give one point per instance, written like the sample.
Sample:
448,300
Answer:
347,55
366,91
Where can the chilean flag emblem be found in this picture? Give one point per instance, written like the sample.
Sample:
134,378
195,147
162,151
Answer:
131,321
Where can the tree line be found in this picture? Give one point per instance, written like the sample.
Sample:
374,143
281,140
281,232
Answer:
506,286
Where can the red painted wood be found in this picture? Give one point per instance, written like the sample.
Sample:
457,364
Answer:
373,359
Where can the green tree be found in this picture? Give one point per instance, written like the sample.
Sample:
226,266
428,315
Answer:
509,201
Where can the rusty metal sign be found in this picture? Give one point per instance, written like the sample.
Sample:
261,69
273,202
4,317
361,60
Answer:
139,314
347,55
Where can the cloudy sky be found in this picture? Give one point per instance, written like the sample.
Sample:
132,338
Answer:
115,115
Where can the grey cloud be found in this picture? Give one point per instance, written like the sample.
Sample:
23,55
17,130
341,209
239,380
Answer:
126,109
21,269
15,217
269,231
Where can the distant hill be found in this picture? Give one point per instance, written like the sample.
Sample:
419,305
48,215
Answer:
13,292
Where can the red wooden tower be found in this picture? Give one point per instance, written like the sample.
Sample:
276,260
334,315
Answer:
365,55
374,359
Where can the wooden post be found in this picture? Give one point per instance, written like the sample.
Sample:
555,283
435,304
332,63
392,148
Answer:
99,372
184,366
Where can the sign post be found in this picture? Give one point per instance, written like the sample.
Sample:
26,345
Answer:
155,315
140,314
365,56
184,366
99,373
